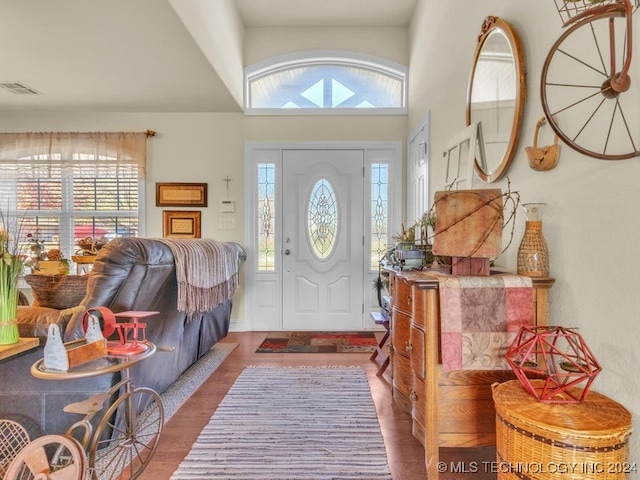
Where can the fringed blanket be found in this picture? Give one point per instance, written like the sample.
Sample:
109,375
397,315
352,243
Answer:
207,272
480,317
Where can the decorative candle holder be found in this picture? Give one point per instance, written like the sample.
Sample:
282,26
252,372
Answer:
552,363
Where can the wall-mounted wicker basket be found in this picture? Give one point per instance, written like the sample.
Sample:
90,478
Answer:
569,9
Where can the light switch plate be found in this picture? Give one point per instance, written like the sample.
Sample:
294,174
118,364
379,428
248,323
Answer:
226,223
227,206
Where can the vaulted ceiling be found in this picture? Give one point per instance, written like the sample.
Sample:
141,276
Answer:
138,55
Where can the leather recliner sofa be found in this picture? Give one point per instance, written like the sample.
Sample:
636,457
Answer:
128,274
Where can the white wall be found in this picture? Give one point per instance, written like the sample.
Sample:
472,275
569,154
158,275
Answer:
590,226
217,29
263,43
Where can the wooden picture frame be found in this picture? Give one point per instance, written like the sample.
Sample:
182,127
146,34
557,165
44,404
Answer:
180,194
181,224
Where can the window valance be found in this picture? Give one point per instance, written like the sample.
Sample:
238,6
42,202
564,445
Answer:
75,147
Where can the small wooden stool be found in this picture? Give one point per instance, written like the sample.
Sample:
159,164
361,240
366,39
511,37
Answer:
588,440
380,356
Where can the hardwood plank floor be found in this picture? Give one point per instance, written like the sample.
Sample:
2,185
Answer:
405,453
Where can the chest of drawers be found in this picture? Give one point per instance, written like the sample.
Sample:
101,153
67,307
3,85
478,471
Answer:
448,408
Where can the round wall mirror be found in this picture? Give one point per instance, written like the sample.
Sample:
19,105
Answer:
495,97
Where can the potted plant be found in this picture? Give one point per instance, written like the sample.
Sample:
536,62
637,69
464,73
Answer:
11,266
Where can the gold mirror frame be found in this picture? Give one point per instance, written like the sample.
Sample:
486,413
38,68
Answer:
490,26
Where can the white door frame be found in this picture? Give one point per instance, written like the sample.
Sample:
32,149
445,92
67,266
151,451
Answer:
418,151
263,289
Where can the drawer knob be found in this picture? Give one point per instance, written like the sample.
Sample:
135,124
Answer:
408,348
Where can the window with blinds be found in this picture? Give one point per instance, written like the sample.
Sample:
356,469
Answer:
61,202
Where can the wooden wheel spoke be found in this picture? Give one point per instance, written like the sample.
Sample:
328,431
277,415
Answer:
70,472
588,120
602,71
594,36
36,461
626,124
574,85
578,102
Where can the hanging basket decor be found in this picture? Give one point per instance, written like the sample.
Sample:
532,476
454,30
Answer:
557,355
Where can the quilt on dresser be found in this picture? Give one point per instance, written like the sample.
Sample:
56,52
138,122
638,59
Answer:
480,317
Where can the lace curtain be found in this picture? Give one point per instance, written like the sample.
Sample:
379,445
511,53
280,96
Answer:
76,147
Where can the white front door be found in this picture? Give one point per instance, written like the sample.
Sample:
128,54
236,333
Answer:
322,239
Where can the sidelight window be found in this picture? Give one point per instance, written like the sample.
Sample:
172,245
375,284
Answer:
266,217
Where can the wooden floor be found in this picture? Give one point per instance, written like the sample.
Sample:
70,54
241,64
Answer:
405,453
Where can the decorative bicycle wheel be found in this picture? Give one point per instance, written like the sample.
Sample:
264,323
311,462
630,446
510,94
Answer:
54,457
578,99
13,438
127,436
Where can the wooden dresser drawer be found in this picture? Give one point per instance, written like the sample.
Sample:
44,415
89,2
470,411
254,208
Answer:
416,342
426,306
402,375
402,299
419,410
400,332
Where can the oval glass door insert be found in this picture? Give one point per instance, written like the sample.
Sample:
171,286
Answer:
322,219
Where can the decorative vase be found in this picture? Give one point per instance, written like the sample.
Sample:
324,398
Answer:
9,332
533,254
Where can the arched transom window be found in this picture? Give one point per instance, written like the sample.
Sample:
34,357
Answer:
325,82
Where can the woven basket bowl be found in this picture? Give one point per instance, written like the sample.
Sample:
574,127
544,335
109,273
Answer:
57,291
581,441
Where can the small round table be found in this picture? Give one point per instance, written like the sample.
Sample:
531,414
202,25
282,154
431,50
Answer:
582,441
99,366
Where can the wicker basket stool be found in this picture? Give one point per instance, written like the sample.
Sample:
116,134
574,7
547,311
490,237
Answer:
535,440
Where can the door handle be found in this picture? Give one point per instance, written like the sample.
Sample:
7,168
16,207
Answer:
287,252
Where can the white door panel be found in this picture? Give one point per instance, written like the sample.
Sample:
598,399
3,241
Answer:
417,172
322,239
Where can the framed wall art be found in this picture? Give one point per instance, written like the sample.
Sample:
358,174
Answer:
181,194
181,224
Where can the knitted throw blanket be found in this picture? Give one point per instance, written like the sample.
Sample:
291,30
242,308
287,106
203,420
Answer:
206,270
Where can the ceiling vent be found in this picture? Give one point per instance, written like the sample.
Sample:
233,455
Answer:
18,88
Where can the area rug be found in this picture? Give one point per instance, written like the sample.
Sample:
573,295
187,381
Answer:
285,423
319,342
180,390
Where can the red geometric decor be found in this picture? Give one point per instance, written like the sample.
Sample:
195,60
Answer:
557,355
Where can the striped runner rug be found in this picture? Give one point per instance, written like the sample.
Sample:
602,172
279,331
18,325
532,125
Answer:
291,423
